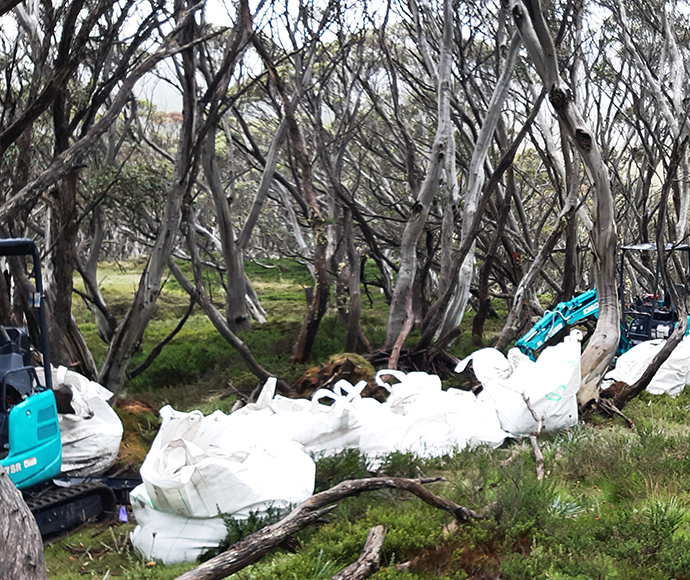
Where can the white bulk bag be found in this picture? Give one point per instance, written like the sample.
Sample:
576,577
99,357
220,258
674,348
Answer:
380,430
411,389
437,422
171,538
417,417
487,364
420,399
203,466
550,384
324,426
91,435
671,377
327,428
473,422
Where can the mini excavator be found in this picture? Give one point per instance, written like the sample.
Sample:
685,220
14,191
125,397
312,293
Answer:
30,446
648,316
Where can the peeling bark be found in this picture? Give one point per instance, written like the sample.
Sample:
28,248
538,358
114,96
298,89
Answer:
316,307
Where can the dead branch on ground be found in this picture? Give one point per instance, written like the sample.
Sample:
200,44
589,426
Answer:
254,546
538,455
369,560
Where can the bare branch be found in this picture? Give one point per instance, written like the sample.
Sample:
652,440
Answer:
370,559
254,546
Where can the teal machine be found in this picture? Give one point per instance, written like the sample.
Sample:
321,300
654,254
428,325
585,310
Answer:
30,445
644,318
30,448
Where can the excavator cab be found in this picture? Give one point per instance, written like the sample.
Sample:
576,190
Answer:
30,447
650,314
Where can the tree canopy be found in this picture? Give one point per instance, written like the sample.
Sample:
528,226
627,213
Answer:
472,151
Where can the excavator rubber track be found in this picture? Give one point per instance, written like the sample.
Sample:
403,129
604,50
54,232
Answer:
59,509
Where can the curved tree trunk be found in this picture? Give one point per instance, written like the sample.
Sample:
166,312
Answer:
236,308
484,309
113,373
106,324
316,307
253,547
67,348
673,109
456,308
602,346
431,321
197,291
567,216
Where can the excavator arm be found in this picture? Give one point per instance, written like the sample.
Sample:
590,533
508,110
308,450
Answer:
649,320
579,308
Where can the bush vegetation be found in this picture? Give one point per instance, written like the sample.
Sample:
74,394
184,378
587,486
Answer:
614,504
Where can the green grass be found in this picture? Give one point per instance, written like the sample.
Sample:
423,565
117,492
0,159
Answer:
198,364
103,551
614,504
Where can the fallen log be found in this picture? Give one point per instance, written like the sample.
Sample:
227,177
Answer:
369,560
253,547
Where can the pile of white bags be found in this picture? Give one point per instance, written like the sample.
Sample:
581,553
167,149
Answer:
324,426
91,435
421,418
258,456
550,385
418,417
671,377
200,467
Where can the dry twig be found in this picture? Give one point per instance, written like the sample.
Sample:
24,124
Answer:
369,560
538,455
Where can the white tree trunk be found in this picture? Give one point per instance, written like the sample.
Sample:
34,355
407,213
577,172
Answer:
236,310
420,210
602,346
456,309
